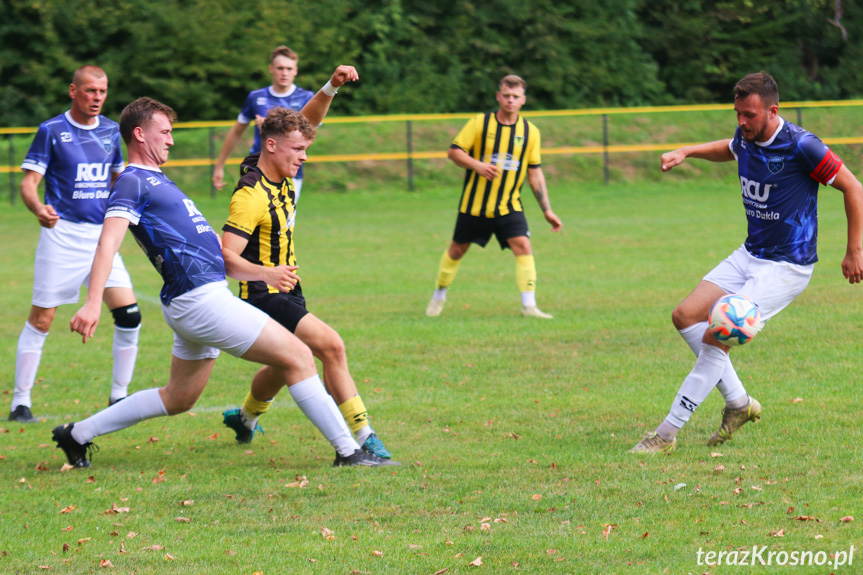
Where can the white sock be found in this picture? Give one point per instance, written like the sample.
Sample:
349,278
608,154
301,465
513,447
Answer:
29,354
364,433
667,431
319,406
440,294
693,335
134,409
250,420
528,298
125,350
709,367
729,385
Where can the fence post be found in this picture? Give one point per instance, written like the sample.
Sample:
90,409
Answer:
11,171
213,189
800,117
410,155
605,147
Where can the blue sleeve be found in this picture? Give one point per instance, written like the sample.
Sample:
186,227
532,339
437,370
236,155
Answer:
812,150
248,111
39,155
128,199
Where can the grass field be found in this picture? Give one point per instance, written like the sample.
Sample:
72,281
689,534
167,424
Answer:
513,432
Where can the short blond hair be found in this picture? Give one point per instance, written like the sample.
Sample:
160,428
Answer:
283,51
512,81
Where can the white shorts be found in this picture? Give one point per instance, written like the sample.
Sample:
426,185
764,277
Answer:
771,285
209,318
64,257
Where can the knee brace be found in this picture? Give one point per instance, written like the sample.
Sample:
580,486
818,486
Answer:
128,316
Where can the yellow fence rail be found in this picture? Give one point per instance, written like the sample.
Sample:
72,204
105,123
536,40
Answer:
409,156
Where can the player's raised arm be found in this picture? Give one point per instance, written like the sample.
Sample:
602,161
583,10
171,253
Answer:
849,185
717,151
228,146
316,109
87,318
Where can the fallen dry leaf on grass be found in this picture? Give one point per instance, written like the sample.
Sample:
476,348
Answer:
476,562
536,497
68,509
214,436
378,553
442,571
779,533
169,557
609,527
182,519
796,400
327,534
847,519
188,503
105,564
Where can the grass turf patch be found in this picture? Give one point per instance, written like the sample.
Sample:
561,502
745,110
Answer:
513,432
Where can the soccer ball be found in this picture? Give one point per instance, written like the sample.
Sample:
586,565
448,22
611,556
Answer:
734,319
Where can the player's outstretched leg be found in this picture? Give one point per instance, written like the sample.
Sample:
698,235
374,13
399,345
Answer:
287,358
734,419
328,346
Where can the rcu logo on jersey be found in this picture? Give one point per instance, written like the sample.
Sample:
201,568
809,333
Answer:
752,189
107,145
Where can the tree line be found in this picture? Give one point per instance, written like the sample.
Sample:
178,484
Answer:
203,56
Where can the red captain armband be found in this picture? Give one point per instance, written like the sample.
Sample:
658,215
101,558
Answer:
828,168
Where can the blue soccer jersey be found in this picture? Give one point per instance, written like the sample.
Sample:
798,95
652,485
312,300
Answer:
779,183
76,162
259,102
177,239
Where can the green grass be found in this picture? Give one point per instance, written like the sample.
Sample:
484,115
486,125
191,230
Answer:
486,410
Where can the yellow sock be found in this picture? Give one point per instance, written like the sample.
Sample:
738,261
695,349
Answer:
254,407
525,273
354,412
446,272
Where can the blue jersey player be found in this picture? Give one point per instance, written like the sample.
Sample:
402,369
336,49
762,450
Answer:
780,166
77,154
282,93
196,302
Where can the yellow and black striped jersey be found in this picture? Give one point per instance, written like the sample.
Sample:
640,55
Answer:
512,148
263,212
